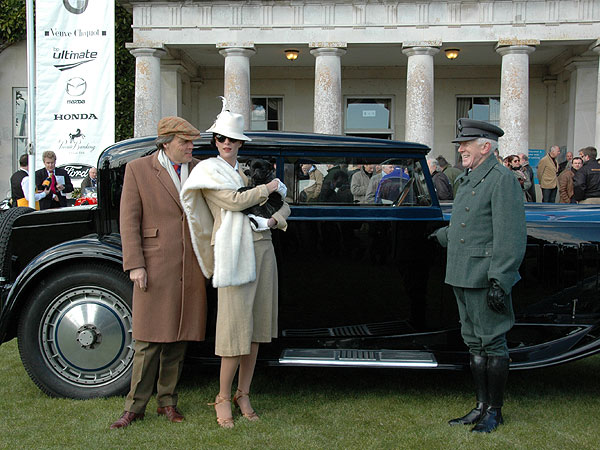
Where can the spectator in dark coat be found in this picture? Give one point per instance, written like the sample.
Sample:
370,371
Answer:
566,164
451,172
58,179
440,181
337,190
586,181
527,170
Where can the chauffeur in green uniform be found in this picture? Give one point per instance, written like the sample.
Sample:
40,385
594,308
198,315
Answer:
486,240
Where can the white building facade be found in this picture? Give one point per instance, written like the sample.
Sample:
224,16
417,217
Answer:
374,68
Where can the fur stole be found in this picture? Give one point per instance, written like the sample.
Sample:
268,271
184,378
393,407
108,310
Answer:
234,262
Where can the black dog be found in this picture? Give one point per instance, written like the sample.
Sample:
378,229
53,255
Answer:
260,172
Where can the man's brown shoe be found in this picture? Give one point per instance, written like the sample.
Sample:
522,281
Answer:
171,412
126,419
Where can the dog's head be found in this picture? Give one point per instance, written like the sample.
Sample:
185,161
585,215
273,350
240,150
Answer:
260,171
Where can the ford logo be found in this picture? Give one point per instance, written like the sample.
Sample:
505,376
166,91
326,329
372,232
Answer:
77,170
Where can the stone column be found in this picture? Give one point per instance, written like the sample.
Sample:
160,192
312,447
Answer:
514,99
550,82
596,49
171,90
419,93
237,80
583,83
147,111
328,89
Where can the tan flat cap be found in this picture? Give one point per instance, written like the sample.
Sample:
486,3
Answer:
177,126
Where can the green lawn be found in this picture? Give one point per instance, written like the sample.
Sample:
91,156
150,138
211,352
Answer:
317,408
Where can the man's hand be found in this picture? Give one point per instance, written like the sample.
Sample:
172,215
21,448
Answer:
60,187
139,277
433,236
496,298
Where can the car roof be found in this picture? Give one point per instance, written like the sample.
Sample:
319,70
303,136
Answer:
271,140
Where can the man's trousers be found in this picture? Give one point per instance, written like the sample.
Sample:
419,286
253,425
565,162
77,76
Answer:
150,358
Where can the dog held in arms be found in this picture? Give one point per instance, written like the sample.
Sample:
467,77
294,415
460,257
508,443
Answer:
259,172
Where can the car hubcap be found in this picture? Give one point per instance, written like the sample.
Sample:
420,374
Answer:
86,338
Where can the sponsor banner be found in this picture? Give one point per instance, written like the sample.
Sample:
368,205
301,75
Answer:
75,80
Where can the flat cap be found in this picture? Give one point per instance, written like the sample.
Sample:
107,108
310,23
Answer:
469,129
177,126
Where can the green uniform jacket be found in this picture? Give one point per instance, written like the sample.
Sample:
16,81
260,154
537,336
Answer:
487,235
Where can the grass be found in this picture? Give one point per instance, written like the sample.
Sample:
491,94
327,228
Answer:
554,408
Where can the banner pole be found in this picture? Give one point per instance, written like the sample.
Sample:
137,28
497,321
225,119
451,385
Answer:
31,100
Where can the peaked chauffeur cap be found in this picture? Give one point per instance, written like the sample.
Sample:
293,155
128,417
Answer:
469,129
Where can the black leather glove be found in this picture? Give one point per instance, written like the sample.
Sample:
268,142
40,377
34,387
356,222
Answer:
496,298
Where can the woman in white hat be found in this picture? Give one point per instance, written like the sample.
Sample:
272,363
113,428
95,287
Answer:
245,269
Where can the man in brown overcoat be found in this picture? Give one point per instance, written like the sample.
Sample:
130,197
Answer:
169,297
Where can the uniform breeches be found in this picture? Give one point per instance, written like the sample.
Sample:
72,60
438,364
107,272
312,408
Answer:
248,313
150,358
483,330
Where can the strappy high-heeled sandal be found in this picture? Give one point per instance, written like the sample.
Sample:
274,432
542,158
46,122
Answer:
251,416
226,422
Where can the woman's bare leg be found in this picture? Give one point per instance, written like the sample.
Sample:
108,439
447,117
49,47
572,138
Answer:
229,366
247,365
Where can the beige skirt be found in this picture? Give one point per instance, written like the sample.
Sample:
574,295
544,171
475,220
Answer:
248,313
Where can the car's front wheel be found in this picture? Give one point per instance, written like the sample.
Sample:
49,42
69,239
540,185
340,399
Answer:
75,335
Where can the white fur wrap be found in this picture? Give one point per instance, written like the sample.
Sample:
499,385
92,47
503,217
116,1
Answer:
234,262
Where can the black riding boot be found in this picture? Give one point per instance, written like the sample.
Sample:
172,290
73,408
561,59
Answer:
497,373
478,370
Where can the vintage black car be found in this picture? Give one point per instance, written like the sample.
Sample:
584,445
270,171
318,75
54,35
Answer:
360,284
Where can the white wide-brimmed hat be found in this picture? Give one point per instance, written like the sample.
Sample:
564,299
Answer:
229,124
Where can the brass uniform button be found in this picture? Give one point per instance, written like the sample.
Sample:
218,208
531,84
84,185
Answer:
467,209
463,225
462,241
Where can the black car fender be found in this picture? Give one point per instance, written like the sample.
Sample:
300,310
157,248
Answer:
106,250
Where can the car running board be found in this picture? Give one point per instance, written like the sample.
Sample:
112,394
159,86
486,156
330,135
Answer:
357,358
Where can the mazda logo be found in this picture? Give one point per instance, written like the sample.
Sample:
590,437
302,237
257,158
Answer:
76,87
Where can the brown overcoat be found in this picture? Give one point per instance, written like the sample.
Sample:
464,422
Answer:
565,186
155,235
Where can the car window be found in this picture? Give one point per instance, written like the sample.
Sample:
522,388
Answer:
352,182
